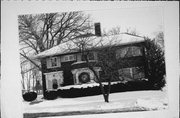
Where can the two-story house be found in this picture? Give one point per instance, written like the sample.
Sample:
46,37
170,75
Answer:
64,66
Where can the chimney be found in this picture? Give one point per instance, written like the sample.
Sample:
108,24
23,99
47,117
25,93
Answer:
97,29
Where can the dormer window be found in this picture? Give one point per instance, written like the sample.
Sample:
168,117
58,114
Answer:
53,62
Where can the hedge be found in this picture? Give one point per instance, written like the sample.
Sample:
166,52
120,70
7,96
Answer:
119,87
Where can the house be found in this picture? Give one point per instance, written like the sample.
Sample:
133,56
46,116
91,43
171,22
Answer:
64,64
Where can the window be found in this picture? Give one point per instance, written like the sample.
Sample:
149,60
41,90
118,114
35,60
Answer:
138,73
71,57
136,51
91,56
131,73
68,58
125,72
128,52
53,62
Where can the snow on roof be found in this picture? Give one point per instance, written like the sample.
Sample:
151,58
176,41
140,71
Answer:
94,41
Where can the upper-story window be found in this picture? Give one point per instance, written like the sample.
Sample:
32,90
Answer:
131,73
91,56
68,58
53,62
128,52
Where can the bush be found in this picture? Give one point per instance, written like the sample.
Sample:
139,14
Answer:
90,91
51,95
29,96
138,85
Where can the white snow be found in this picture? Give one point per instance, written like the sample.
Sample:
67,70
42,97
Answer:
88,85
80,62
152,104
145,100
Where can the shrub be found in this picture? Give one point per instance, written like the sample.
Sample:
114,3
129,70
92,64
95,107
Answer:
51,95
119,87
29,96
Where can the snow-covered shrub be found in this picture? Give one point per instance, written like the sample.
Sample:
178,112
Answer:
85,90
29,96
79,92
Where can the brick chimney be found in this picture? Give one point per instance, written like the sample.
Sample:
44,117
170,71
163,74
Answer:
97,29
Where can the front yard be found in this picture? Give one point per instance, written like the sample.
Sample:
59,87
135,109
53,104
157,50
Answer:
119,102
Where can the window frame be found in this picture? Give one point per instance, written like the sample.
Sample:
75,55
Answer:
67,58
49,62
91,54
132,53
132,73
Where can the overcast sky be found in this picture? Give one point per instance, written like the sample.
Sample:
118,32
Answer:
146,21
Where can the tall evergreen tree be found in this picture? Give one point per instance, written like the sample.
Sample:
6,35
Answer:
156,64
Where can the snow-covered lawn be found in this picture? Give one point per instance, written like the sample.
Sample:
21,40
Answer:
143,100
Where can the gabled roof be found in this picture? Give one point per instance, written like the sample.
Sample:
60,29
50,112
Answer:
94,41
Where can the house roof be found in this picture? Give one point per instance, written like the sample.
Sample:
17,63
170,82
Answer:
94,41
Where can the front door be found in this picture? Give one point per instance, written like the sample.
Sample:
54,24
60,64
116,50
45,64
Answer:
68,76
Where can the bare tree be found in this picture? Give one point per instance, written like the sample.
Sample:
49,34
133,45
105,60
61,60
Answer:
106,60
160,39
40,32
132,31
112,31
29,75
109,62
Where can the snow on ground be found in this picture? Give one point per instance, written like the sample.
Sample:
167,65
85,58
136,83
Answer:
147,100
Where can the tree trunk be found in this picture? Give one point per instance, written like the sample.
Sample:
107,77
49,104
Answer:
106,98
108,89
99,80
33,82
100,83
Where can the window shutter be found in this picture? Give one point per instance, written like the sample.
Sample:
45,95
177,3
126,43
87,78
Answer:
49,84
78,57
58,61
60,77
48,63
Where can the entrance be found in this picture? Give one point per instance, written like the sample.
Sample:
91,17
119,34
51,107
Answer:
68,76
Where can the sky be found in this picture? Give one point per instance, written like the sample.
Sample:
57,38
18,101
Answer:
146,21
